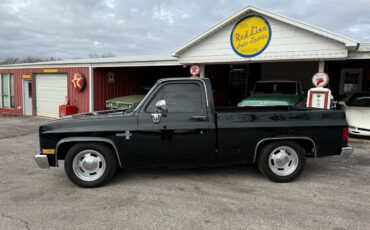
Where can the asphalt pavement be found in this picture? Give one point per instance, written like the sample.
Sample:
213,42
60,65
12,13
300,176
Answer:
331,193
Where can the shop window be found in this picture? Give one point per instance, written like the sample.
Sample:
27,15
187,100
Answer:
6,91
351,81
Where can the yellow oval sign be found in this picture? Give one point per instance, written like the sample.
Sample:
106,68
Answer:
250,36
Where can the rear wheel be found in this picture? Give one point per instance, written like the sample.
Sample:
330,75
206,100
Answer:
90,165
281,161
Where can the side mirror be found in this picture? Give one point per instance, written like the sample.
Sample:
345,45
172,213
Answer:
161,105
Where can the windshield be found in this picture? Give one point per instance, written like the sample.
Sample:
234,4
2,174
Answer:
359,100
275,88
142,101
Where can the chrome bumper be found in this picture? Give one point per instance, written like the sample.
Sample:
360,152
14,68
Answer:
346,152
42,161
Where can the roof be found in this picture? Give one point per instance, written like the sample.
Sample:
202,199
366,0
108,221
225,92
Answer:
349,43
364,47
98,62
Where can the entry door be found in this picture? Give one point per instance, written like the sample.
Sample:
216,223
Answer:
181,137
27,97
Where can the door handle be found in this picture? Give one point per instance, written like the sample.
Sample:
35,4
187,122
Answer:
199,118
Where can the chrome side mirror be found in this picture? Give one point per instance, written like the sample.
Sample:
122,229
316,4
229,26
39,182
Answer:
161,106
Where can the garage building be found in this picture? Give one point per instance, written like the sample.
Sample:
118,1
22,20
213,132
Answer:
251,45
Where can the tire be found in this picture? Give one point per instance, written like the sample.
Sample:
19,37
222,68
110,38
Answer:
281,161
90,165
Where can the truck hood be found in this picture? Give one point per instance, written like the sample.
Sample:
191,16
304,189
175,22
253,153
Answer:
358,116
271,100
92,122
132,99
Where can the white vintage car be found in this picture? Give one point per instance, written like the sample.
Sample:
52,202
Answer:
357,108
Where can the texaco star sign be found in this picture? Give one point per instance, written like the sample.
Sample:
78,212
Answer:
78,81
195,70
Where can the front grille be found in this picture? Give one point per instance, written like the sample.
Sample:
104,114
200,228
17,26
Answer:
367,130
111,104
124,106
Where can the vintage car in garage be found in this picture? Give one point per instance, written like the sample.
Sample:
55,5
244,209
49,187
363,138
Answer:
357,108
177,125
129,101
275,93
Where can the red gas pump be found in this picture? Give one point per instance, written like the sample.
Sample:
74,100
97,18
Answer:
67,109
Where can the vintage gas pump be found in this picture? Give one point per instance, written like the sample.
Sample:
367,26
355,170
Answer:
319,97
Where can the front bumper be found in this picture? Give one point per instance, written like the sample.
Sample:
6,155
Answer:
358,131
346,152
42,161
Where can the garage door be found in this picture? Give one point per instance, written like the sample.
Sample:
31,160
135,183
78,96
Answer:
51,91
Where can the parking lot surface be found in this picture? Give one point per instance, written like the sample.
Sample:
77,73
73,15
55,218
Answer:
331,193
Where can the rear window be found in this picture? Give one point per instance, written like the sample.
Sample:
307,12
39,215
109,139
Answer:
359,100
276,88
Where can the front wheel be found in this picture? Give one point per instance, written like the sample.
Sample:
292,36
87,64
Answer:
90,165
281,161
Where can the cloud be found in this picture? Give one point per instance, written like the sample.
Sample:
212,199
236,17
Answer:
72,29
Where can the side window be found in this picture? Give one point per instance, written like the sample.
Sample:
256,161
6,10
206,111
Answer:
183,98
150,108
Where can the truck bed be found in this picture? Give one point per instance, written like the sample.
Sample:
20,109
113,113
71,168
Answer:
239,129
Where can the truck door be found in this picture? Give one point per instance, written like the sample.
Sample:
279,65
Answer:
181,135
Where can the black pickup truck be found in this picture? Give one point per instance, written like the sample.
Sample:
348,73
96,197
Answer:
177,125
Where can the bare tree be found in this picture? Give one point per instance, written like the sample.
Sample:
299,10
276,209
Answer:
28,59
104,55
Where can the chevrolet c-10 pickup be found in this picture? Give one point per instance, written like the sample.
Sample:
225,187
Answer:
177,125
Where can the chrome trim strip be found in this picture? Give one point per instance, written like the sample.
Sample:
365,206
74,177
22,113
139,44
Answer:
86,139
346,152
42,161
284,138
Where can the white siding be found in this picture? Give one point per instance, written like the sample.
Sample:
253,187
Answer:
287,43
51,90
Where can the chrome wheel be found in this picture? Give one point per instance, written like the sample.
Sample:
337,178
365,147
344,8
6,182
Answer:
89,165
283,161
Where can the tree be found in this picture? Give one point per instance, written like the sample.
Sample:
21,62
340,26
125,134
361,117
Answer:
28,59
104,55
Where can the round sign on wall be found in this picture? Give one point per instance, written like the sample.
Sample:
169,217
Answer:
111,77
195,70
320,79
78,81
250,36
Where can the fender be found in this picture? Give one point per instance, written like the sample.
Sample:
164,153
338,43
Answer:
87,139
284,138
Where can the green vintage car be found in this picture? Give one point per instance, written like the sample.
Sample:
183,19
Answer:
275,93
129,101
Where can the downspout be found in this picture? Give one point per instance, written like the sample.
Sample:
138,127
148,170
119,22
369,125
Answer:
91,89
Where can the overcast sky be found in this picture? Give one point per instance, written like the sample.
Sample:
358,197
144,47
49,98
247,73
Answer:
72,29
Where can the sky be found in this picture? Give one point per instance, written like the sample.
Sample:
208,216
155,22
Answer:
71,29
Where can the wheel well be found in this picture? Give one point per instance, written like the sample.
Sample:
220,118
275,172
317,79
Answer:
307,145
63,149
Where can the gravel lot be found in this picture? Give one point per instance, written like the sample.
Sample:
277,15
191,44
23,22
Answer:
330,194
